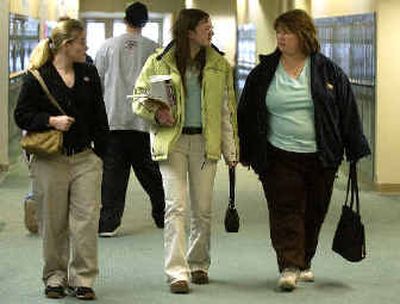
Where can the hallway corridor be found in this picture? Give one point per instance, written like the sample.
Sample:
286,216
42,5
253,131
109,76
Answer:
243,269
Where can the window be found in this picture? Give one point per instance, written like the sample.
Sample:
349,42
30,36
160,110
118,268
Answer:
100,26
152,31
95,36
119,27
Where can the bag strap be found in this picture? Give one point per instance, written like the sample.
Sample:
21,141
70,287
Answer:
39,78
353,169
232,182
352,188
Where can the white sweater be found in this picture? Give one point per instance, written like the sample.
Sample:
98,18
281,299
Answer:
119,62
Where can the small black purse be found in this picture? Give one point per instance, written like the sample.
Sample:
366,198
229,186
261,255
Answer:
349,239
232,220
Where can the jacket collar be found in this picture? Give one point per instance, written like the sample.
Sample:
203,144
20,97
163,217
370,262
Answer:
272,56
213,55
276,55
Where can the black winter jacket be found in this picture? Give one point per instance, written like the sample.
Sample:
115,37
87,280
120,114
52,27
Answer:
337,122
83,101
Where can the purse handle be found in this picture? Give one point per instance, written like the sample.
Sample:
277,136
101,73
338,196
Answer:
39,78
232,182
352,187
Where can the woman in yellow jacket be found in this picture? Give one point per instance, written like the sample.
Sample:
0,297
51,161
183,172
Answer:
188,140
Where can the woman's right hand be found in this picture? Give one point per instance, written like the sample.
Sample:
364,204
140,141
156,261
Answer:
62,122
164,117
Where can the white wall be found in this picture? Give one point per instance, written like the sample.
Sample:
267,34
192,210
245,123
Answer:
4,9
388,84
109,6
325,8
45,9
223,17
225,35
262,14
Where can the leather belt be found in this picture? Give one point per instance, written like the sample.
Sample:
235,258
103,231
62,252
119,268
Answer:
69,151
192,130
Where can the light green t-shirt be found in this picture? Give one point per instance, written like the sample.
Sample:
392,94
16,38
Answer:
193,99
291,111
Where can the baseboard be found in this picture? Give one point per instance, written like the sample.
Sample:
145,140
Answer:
4,167
3,171
387,188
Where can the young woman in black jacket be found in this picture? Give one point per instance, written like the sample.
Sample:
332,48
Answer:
68,182
297,117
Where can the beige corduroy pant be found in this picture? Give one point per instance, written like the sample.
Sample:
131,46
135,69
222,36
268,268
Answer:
187,170
70,204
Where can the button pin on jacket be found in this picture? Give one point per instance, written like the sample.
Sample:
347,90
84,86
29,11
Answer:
86,78
329,86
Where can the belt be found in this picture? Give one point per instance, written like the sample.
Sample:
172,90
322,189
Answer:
69,151
192,130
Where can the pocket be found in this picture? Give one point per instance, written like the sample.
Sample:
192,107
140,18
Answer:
96,158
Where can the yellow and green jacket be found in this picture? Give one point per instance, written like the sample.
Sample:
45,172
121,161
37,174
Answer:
218,105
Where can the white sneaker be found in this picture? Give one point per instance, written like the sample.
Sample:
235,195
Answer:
109,233
306,275
288,279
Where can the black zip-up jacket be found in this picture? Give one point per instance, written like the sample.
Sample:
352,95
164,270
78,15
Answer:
83,101
337,122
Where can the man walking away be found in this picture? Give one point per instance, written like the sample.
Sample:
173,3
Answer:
119,61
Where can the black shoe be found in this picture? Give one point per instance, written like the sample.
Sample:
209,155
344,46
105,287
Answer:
109,224
159,219
70,290
82,293
108,232
54,292
108,227
199,277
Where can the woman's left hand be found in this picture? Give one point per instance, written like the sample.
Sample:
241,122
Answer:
164,117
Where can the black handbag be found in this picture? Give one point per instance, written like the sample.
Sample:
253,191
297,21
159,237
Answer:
232,220
349,239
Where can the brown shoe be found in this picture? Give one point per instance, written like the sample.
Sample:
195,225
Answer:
199,277
54,292
84,293
179,287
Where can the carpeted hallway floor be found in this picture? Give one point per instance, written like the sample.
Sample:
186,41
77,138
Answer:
243,265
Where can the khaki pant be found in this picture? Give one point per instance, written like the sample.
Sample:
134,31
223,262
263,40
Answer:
186,168
70,205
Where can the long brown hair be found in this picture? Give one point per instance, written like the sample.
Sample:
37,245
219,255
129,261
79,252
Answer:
187,20
300,23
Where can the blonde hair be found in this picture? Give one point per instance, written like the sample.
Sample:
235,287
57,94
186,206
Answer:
65,31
